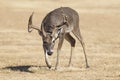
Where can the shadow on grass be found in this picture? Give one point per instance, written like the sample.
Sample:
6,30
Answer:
22,68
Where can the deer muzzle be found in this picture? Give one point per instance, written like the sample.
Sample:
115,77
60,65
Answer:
49,49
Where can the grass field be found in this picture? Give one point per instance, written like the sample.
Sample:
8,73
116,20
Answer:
21,53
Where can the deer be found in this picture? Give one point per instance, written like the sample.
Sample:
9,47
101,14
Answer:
57,25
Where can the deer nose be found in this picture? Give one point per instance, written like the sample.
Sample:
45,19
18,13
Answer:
50,53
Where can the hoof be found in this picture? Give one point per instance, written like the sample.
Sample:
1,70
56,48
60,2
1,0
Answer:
49,66
87,66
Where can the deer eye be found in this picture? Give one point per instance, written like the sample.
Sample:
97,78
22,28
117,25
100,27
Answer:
49,31
44,42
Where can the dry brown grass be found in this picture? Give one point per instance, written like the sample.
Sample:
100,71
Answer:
21,53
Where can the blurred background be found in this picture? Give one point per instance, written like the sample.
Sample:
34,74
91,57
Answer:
100,28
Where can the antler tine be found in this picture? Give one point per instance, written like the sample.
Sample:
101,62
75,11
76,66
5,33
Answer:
30,23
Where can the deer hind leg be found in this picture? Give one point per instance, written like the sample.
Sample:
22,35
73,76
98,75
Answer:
79,37
72,41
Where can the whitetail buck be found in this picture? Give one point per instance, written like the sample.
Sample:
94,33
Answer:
57,25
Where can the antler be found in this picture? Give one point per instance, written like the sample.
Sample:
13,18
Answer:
30,25
65,19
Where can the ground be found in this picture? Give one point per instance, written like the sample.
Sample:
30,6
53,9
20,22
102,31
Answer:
21,53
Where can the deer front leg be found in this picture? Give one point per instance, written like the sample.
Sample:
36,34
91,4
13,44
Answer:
47,59
61,39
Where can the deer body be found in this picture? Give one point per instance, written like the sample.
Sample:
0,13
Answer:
55,18
57,25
